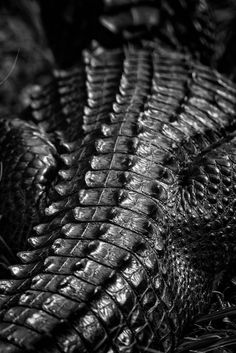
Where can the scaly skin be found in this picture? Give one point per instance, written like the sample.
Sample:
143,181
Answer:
141,220
29,163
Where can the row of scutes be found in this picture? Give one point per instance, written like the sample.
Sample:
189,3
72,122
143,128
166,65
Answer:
106,266
99,271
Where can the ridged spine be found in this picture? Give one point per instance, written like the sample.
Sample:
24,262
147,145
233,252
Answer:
113,269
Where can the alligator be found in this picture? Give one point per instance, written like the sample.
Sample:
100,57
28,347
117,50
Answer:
120,177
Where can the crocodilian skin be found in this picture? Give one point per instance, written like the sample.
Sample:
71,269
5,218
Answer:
126,168
141,219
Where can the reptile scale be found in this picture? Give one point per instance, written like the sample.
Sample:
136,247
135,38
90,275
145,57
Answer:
118,194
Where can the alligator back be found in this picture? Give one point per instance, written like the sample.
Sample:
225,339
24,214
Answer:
141,216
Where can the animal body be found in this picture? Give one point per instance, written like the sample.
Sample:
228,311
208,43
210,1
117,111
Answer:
125,167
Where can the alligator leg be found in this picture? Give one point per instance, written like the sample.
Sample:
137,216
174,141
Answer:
29,163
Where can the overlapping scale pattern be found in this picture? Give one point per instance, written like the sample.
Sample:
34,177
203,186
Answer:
29,163
58,107
133,238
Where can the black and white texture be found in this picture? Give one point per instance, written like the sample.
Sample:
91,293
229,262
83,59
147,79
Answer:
120,174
